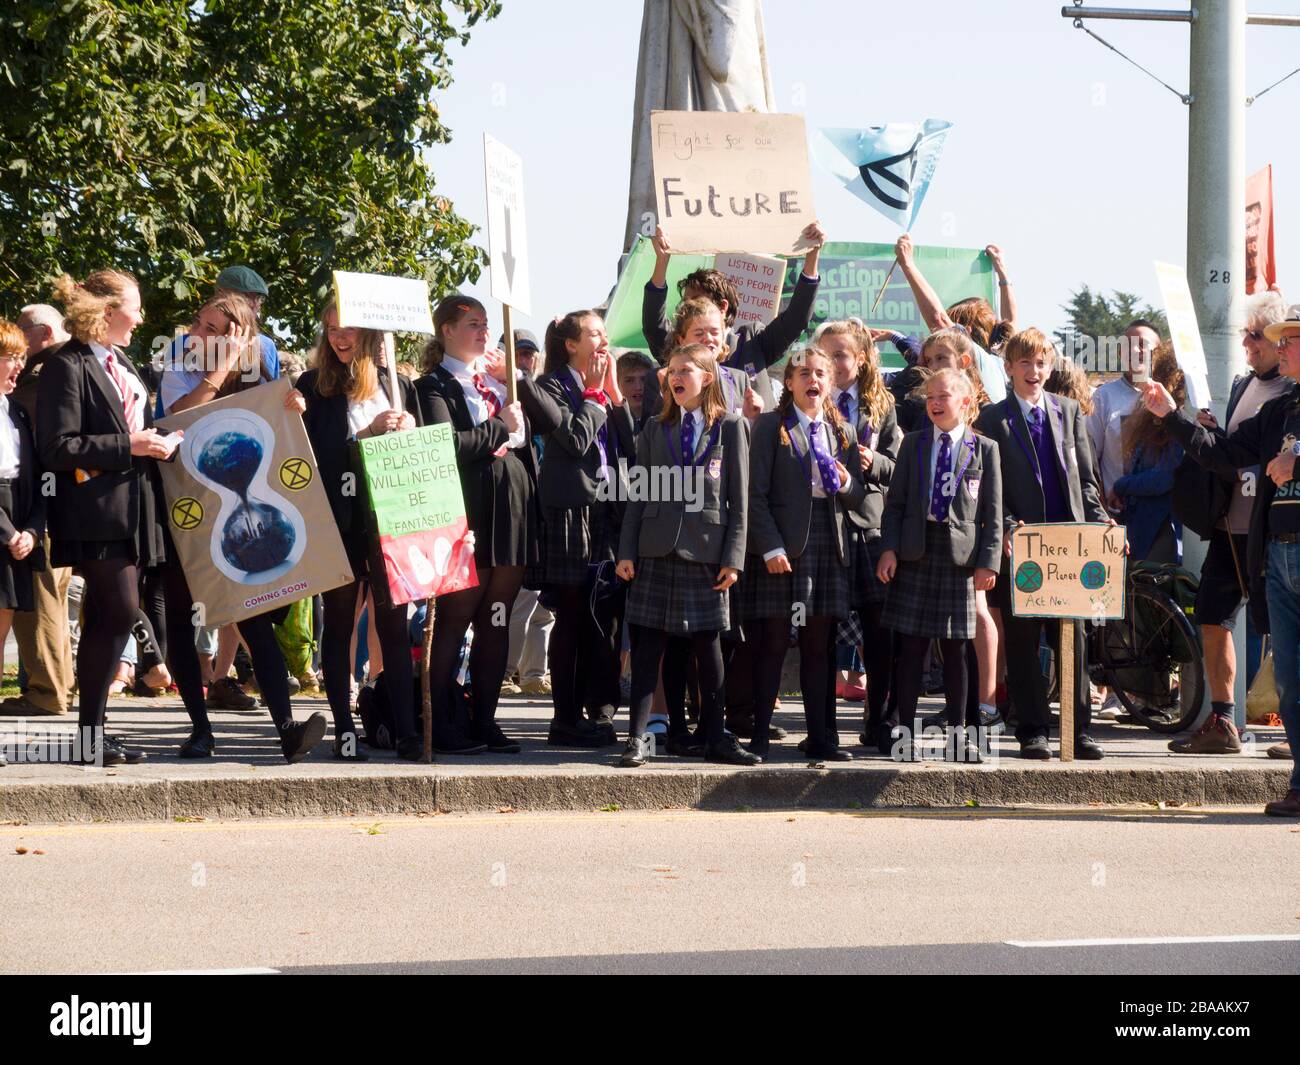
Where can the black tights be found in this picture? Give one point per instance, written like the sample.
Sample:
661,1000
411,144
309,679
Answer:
258,635
110,604
911,655
877,660
389,624
580,656
649,647
816,677
487,607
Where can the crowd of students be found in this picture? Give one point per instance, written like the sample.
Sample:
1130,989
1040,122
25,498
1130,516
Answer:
862,517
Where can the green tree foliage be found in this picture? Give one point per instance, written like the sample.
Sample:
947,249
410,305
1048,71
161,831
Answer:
1095,315
172,138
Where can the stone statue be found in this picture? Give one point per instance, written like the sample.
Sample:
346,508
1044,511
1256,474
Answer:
696,55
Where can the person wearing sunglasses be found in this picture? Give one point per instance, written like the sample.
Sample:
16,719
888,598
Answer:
1269,439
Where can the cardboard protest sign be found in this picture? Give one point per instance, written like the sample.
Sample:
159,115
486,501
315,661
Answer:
1185,332
731,181
249,517
417,513
377,301
758,280
507,230
1068,570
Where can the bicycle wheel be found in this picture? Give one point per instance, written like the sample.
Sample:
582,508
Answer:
1154,663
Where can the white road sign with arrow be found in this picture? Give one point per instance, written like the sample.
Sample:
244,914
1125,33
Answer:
507,234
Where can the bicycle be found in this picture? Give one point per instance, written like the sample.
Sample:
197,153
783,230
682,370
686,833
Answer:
1152,658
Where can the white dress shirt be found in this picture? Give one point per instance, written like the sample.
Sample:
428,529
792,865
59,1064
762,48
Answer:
1026,406
852,390
955,437
478,408
361,412
133,382
10,443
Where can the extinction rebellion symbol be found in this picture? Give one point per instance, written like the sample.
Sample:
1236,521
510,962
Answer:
187,513
1092,576
1029,576
295,474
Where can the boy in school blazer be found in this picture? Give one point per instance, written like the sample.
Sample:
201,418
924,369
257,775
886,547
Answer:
1048,475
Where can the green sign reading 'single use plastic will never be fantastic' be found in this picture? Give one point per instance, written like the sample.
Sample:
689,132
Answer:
417,513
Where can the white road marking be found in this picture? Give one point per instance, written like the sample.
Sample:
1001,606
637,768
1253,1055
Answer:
1150,941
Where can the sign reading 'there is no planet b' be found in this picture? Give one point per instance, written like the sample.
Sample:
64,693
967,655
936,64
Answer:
1068,570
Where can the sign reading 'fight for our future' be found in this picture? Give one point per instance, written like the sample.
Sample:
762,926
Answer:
418,513
731,181
1068,570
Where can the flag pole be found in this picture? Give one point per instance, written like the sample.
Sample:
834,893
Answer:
881,294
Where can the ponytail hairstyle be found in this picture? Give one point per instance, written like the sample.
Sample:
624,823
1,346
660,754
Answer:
239,313
687,311
569,327
714,404
829,412
450,310
357,379
85,303
873,396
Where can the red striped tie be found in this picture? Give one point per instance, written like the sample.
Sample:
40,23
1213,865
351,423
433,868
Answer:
129,401
490,397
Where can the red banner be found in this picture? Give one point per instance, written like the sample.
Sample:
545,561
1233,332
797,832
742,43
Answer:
1261,267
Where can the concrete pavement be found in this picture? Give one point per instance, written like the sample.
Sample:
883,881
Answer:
249,778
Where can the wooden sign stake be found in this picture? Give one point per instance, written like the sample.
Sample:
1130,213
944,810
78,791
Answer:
512,393
1065,673
881,294
390,363
426,693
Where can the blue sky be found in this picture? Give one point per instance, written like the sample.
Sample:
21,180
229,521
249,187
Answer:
1068,157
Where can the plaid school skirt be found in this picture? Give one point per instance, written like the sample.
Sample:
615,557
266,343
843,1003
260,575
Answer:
818,581
865,588
677,597
574,538
932,597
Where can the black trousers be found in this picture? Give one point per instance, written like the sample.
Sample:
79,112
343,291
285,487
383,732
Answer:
1026,683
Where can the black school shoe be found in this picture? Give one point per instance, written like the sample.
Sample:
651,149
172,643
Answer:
635,754
826,753
410,749
200,744
685,744
454,741
347,748
300,737
728,751
1086,749
129,755
580,733
1036,749
498,742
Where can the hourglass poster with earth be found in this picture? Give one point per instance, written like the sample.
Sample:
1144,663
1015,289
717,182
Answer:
251,524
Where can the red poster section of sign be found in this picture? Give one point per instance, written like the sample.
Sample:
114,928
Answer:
1261,266
428,563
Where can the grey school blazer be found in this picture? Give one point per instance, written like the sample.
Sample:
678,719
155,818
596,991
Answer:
780,500
712,527
975,517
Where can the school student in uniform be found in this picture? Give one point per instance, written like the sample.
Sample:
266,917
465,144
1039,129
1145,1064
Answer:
683,553
22,505
581,521
941,540
347,396
749,350
224,343
865,403
699,321
464,385
94,430
1048,475
805,475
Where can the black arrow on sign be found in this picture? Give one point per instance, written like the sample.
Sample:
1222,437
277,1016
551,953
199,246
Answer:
508,256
